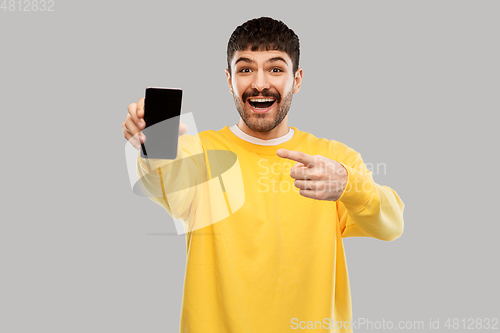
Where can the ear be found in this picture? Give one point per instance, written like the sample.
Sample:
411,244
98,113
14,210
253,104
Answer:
229,83
298,80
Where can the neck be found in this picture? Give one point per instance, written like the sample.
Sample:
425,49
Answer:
278,131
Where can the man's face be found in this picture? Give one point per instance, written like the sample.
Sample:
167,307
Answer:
262,84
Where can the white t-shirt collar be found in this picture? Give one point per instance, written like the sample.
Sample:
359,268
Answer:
271,142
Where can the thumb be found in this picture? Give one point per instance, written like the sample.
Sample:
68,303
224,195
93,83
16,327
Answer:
183,128
298,165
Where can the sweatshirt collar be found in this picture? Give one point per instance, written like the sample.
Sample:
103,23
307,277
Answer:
288,143
271,142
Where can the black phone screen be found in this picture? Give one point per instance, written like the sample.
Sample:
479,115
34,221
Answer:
162,109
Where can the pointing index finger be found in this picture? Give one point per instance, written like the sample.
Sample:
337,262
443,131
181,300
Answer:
296,156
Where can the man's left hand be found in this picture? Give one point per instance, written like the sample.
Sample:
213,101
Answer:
317,177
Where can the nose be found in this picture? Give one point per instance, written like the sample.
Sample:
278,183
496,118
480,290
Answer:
260,81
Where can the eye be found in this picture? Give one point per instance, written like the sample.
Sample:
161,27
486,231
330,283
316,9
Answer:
276,70
245,70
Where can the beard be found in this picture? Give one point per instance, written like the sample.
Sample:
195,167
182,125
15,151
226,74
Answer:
264,122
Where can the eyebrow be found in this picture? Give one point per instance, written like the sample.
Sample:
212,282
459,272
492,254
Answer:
253,62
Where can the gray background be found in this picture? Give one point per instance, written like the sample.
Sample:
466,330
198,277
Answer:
411,84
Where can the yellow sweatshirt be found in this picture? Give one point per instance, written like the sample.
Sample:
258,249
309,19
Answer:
261,257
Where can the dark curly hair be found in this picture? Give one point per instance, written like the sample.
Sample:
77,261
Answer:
264,34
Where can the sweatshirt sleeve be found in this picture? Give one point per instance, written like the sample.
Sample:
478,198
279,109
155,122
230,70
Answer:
365,208
171,183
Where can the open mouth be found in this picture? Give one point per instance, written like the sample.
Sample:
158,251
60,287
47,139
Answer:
261,103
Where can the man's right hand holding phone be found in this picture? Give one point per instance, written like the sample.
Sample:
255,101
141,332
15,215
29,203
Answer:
134,123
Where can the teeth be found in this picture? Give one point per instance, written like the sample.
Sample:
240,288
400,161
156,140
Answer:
262,99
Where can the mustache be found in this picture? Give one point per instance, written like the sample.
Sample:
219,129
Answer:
265,93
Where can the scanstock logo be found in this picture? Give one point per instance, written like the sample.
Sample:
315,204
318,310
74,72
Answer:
209,182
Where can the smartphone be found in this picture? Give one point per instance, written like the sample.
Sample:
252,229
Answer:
162,111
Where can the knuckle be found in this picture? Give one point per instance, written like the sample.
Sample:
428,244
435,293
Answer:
127,123
318,159
317,174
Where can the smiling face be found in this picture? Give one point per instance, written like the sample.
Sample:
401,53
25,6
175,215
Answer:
262,84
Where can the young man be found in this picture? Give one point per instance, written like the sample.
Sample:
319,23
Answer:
276,263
